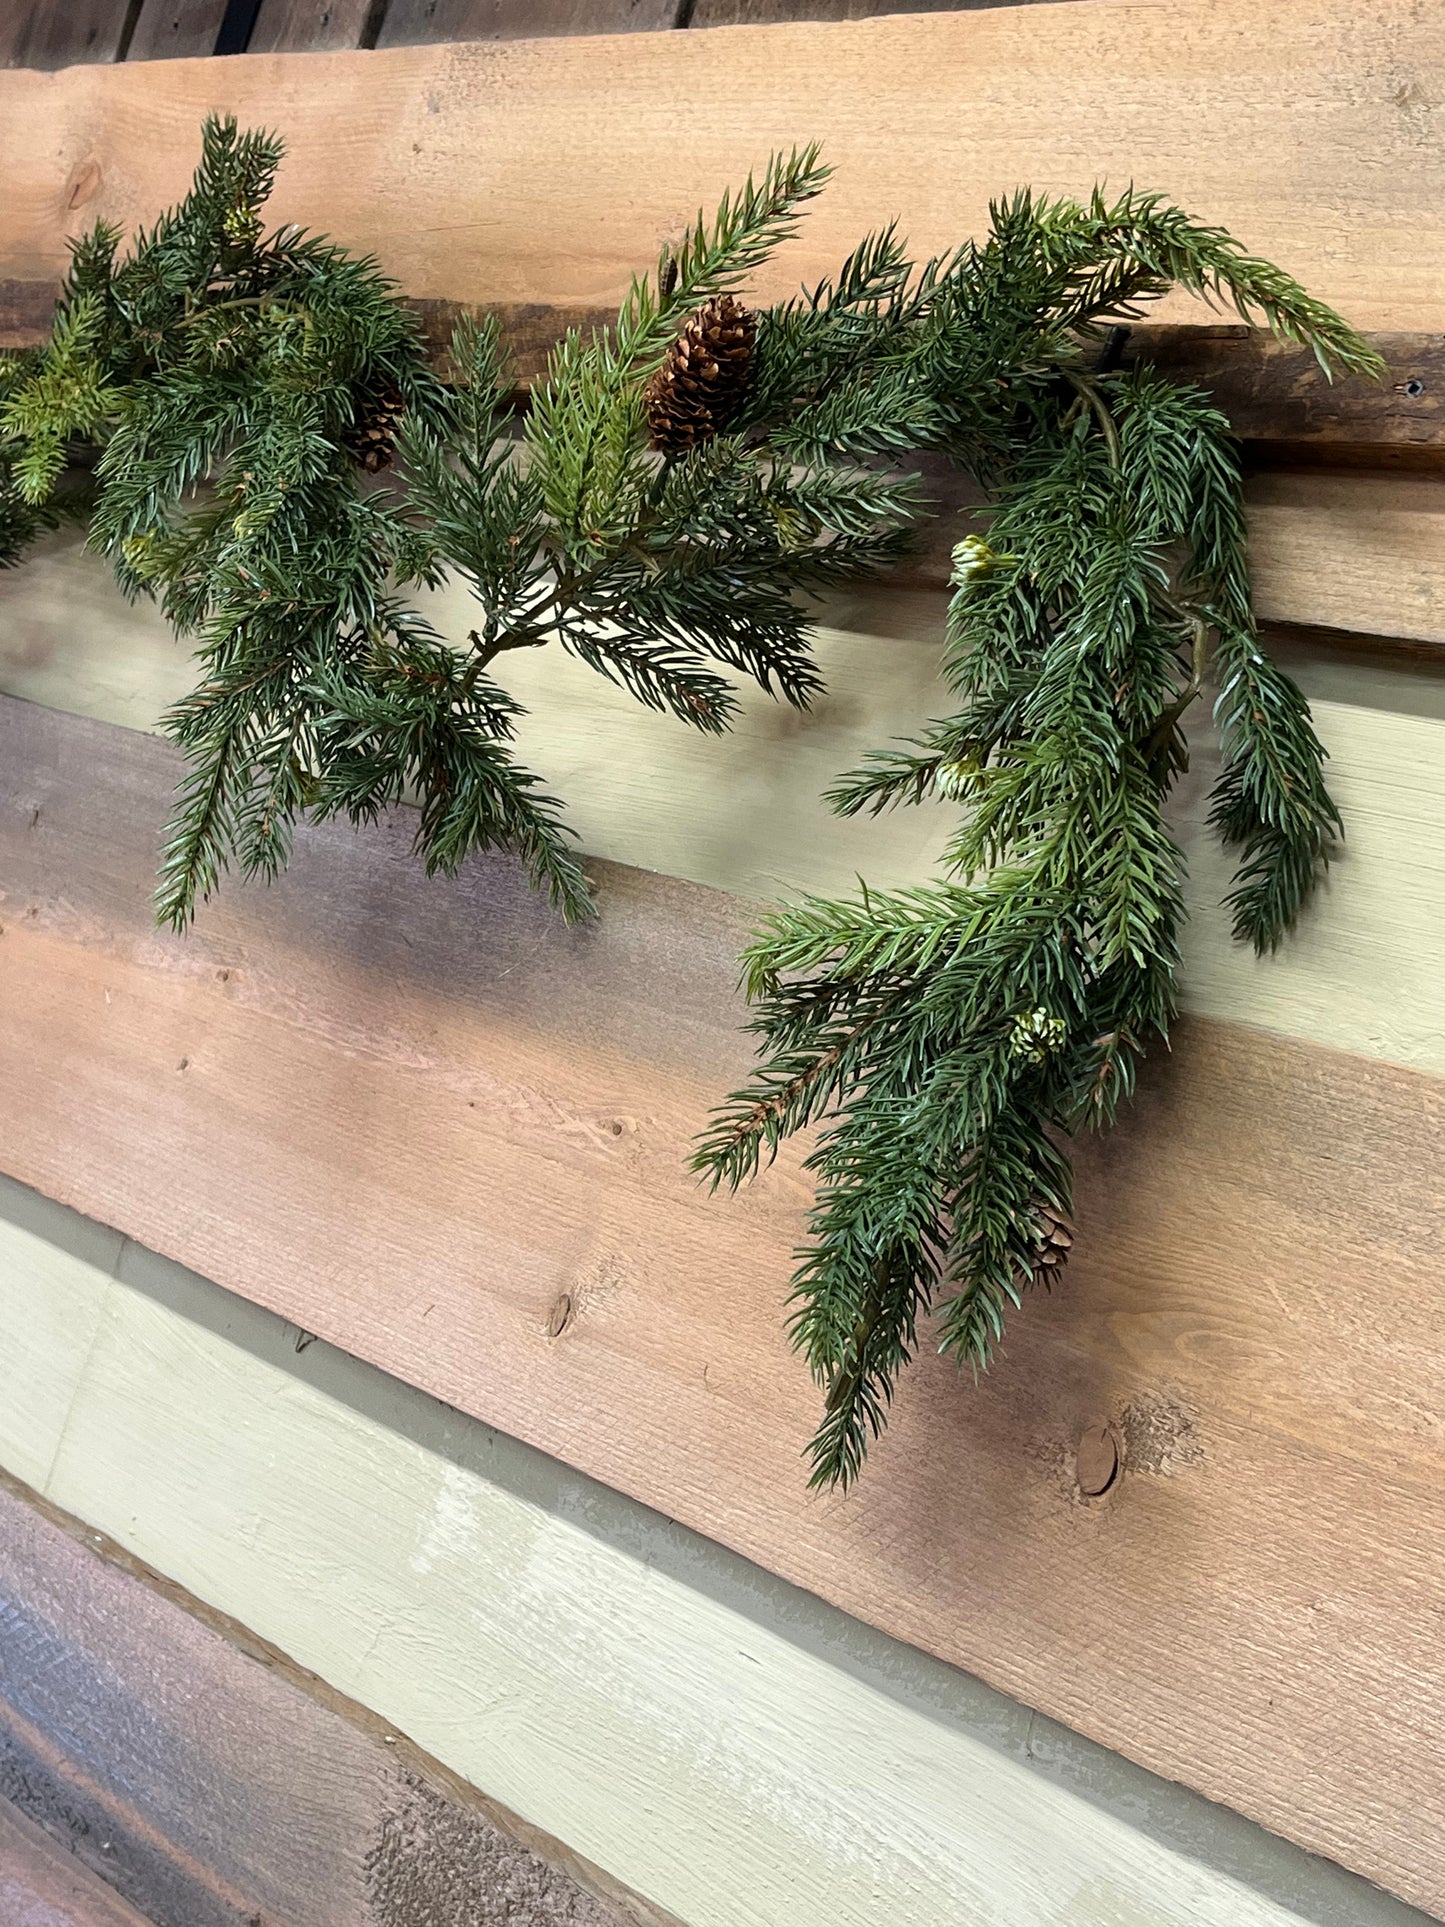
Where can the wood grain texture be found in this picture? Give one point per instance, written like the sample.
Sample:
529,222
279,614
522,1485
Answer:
410,22
59,33
176,29
43,1885
754,13
310,26
327,1068
213,1784
483,172
691,1722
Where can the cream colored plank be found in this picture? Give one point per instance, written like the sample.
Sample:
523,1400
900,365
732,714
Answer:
54,1297
717,1766
744,813
484,172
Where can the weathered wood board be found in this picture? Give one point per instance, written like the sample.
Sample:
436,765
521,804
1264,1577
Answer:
211,1783
484,173
428,1123
42,1885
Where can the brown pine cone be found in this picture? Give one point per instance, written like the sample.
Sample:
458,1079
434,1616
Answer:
371,434
700,386
1055,1240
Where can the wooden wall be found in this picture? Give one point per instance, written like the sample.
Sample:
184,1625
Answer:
280,1100
57,33
733,1749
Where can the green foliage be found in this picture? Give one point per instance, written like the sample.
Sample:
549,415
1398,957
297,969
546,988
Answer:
947,1040
666,574
21,519
230,377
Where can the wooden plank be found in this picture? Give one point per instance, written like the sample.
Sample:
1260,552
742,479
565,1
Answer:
1276,392
745,813
1277,398
211,1781
1350,549
176,29
59,33
756,13
324,1069
696,1722
408,23
42,1885
483,173
311,26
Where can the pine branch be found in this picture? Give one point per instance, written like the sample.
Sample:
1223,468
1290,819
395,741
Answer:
947,1039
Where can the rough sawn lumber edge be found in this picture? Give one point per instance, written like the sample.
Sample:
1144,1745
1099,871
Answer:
432,1126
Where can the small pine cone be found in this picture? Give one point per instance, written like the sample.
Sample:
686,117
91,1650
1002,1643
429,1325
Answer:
1055,1240
700,386
371,434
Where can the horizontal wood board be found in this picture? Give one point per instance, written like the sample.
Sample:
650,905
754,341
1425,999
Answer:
42,1885
212,1783
483,173
745,813
685,1719
431,1125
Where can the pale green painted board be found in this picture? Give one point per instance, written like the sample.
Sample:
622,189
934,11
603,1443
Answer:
731,1748
744,812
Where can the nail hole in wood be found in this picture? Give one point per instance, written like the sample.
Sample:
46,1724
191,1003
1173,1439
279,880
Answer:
617,1127
1096,1460
560,1316
1414,388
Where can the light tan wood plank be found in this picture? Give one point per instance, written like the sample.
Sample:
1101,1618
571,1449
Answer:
413,1117
1350,551
482,172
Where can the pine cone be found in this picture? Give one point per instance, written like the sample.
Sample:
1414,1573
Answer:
1055,1239
371,434
700,387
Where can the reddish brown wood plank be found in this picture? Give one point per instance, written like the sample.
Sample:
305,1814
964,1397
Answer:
411,1116
216,1784
312,26
176,29
412,22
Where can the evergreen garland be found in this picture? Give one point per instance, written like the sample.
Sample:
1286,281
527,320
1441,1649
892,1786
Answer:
949,1039
244,388
679,485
